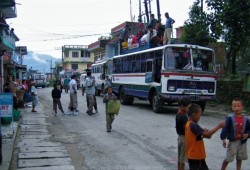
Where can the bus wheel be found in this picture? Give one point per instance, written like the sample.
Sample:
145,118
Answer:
130,100
125,99
98,92
202,104
157,104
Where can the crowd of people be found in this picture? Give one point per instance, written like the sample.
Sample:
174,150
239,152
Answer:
155,34
89,90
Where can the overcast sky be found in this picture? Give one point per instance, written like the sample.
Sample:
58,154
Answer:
46,25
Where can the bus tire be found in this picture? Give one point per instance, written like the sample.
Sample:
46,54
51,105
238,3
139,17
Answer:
125,99
103,90
130,100
157,104
98,92
202,104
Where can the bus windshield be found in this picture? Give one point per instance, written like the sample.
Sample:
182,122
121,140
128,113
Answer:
181,58
39,76
68,74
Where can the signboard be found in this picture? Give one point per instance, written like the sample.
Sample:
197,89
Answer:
6,105
22,50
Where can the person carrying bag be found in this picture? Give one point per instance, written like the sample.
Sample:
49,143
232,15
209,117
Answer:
112,108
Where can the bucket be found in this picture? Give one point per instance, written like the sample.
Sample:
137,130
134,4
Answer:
6,120
16,115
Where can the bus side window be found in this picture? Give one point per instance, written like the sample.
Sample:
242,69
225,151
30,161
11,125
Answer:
143,67
158,70
149,66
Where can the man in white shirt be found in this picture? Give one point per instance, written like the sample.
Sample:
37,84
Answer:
152,36
73,95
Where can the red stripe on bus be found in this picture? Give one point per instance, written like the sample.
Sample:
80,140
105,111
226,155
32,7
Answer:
188,74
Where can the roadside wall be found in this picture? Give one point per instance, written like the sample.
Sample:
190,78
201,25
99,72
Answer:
229,89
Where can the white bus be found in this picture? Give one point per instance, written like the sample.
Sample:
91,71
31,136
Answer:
66,74
40,79
165,74
100,71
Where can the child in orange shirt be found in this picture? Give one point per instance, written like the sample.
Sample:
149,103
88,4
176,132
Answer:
194,134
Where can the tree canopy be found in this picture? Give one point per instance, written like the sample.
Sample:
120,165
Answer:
224,20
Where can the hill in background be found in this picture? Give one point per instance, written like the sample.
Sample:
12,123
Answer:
40,62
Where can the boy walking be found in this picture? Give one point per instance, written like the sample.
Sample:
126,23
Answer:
109,117
194,134
56,95
181,120
236,130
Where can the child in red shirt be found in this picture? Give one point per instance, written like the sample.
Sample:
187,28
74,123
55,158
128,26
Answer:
236,130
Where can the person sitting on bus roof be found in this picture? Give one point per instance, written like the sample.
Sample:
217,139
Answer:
152,36
160,33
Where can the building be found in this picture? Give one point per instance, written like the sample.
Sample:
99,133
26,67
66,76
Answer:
108,46
11,58
97,49
76,57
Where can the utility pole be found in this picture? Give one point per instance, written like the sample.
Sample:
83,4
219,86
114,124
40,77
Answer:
146,10
139,17
51,69
50,61
149,5
201,6
158,10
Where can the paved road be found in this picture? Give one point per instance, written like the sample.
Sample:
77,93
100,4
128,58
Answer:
140,138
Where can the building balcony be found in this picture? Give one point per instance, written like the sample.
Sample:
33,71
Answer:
78,60
8,8
7,39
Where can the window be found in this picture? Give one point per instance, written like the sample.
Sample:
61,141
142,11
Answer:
149,66
158,54
137,57
85,53
143,67
136,67
74,66
66,54
203,60
151,55
75,54
143,56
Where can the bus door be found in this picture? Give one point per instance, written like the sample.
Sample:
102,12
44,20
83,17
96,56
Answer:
149,75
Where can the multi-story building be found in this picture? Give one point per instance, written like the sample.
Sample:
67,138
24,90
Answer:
97,49
10,57
76,57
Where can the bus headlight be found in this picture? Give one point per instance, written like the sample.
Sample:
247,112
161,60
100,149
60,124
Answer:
171,88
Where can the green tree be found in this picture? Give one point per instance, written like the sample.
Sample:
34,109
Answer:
230,21
196,28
